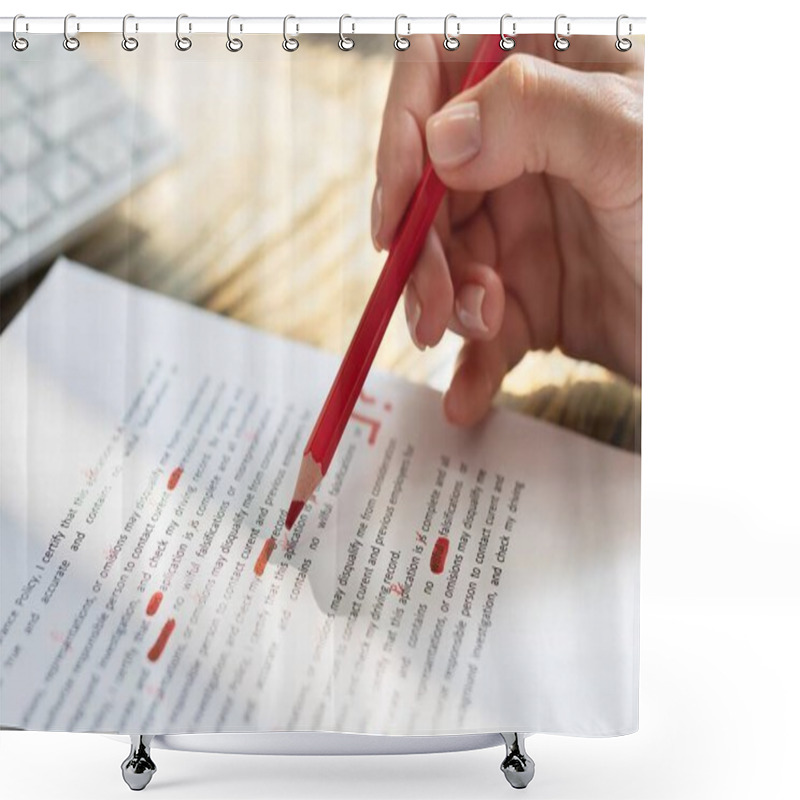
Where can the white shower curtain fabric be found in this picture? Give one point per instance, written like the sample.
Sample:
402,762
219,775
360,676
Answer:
189,242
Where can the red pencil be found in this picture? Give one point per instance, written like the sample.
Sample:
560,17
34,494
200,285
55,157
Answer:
400,262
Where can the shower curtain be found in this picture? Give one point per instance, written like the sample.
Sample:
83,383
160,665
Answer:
190,235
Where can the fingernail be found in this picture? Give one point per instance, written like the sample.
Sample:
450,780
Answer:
377,214
413,313
469,307
454,134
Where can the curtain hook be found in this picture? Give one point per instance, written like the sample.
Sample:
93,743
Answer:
400,42
506,42
129,43
183,43
289,44
451,42
560,43
70,43
233,44
344,42
18,43
623,45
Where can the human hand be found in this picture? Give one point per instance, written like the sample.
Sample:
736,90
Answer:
538,241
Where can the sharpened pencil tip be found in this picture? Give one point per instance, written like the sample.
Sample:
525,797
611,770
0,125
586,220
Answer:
294,512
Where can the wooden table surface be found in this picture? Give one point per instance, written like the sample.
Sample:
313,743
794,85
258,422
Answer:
264,215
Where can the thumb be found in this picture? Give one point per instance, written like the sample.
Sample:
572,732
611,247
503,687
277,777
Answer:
530,116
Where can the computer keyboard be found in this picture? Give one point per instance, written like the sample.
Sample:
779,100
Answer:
72,144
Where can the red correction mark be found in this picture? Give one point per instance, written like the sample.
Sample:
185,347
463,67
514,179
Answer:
439,555
374,426
263,556
155,651
155,602
370,400
174,477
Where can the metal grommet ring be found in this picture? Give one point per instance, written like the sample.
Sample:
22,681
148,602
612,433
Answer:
560,43
18,43
400,42
289,44
70,43
233,44
451,42
129,43
345,43
506,42
183,43
623,45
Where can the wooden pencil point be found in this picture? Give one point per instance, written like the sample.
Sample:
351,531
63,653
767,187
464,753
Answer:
309,477
295,508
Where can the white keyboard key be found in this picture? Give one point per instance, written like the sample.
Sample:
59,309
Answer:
104,148
12,100
18,144
5,231
141,130
9,71
76,107
61,176
34,77
50,74
72,143
147,134
22,202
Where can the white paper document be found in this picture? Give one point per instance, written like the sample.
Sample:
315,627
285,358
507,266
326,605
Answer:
439,581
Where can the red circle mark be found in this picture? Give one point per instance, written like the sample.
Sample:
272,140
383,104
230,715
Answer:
263,556
155,651
174,477
387,406
439,555
155,602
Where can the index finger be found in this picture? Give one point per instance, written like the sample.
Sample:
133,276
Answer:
422,80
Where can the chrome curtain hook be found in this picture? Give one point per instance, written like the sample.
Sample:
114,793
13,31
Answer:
400,42
183,43
506,42
70,43
18,43
623,45
451,42
344,42
129,43
560,43
289,44
233,44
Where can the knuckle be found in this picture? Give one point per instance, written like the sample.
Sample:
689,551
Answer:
522,79
623,99
620,101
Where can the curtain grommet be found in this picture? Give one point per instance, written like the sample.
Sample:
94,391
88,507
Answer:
506,42
18,42
401,43
289,44
129,43
451,42
560,43
623,45
183,43
345,43
233,44
71,43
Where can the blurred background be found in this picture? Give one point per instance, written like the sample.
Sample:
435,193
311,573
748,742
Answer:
242,183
